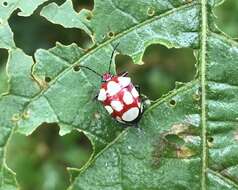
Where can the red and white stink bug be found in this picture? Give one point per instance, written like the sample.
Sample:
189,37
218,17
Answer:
119,96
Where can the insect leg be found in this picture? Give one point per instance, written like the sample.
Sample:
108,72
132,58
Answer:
123,74
95,97
137,88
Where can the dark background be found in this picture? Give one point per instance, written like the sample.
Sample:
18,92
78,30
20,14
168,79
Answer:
40,160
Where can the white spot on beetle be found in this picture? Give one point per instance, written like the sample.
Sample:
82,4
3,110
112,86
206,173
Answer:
109,109
102,95
124,81
113,88
135,93
131,114
116,105
127,98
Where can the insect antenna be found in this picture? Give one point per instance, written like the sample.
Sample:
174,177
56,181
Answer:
114,49
95,72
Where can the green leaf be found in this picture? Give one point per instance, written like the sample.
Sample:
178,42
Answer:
6,36
130,161
67,89
191,142
67,96
204,117
11,107
66,16
11,104
8,6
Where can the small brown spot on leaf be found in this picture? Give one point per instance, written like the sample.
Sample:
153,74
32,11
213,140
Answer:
178,128
184,152
157,153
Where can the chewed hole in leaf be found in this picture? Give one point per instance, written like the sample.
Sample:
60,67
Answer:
175,139
76,68
227,18
49,154
110,34
43,34
3,74
172,102
161,69
89,16
210,139
47,79
4,3
166,146
170,145
83,4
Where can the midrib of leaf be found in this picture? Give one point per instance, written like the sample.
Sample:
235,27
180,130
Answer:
90,53
203,88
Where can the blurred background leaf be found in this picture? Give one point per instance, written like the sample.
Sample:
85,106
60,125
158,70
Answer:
40,160
3,75
227,18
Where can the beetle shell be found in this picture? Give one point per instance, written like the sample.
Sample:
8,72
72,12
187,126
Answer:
121,99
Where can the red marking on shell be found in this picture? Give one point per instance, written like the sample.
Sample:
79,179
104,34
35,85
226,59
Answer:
136,102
